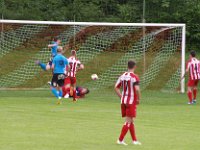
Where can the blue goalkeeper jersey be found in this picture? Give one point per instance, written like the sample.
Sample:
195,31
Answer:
54,49
60,62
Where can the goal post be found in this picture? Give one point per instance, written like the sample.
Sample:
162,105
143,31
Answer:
103,47
183,57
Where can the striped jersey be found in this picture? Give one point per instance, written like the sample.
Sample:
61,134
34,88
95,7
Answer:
73,62
193,65
127,82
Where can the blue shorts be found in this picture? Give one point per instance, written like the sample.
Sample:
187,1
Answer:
50,63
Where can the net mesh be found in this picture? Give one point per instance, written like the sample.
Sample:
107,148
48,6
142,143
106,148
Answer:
104,50
14,37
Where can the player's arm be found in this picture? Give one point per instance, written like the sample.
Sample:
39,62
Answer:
51,45
186,71
136,85
53,65
118,92
117,88
81,67
137,88
67,66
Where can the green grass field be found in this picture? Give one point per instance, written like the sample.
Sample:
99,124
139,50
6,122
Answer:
32,120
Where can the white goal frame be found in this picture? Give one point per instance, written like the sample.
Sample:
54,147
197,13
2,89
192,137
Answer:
183,26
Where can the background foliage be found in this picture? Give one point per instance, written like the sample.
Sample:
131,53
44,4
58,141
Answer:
157,11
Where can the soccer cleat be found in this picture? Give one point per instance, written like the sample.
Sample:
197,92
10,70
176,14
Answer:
59,101
75,99
49,83
194,101
66,96
190,103
121,143
137,143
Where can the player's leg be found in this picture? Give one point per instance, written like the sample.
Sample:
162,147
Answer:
60,83
54,86
132,115
42,65
133,134
60,93
66,87
45,67
189,90
195,92
74,92
189,93
125,127
48,66
132,130
73,88
66,90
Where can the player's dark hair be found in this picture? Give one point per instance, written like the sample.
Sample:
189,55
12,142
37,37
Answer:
87,91
55,39
131,64
193,53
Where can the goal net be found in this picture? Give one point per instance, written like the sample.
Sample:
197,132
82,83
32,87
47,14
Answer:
104,49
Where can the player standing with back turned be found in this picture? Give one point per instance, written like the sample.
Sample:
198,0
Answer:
59,69
129,99
193,68
70,82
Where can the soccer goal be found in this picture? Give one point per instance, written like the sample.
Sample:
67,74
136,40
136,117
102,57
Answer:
104,49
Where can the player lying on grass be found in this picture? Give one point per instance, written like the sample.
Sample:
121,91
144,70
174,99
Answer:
53,47
193,68
59,65
70,81
80,92
130,96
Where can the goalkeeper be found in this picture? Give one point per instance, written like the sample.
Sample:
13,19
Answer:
54,46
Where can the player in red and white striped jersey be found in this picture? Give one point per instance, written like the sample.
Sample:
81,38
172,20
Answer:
193,68
75,65
129,82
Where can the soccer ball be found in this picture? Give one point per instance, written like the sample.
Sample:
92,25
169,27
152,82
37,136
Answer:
94,76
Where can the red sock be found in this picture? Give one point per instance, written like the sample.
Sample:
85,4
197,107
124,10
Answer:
74,94
190,96
65,90
132,132
123,131
195,93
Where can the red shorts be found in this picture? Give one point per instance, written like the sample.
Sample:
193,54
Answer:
67,81
70,80
192,83
128,110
